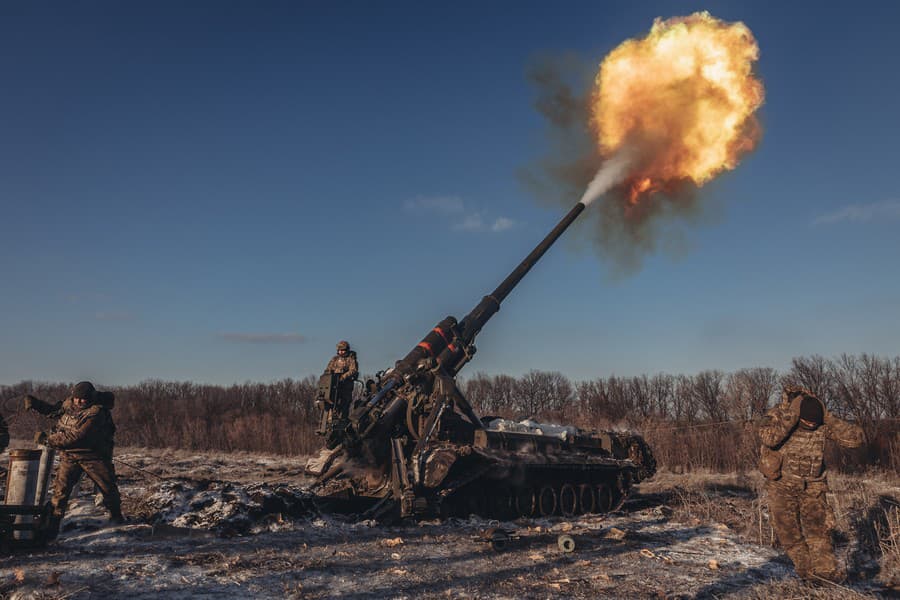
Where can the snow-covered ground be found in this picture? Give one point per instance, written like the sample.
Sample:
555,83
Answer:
243,526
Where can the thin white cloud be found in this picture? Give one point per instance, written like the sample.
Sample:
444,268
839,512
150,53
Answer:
476,222
861,213
462,217
471,222
502,224
263,338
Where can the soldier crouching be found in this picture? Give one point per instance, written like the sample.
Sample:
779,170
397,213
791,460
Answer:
84,438
793,438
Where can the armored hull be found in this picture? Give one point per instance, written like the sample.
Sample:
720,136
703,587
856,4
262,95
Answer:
502,473
506,474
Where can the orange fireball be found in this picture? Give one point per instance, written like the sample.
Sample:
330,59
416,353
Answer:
684,97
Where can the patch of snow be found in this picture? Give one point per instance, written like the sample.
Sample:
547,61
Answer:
563,432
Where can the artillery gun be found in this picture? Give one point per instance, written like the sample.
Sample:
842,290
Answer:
415,447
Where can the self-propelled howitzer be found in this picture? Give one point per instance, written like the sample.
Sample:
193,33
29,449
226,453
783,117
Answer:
414,446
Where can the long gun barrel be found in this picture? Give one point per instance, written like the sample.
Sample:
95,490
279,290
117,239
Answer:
450,345
451,342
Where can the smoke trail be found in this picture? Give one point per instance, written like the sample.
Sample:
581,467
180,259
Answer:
613,172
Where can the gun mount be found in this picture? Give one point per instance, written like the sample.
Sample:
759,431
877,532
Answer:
415,447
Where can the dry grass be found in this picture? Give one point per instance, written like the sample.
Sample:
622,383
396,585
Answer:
889,542
866,507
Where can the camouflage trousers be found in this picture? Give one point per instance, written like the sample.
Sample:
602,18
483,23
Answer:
100,471
803,521
344,398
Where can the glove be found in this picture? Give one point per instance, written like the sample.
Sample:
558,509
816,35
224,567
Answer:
40,438
29,400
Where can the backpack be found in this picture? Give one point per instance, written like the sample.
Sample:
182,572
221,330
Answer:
105,399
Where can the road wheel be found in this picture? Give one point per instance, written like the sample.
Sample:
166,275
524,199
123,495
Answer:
604,498
547,501
525,501
568,500
587,500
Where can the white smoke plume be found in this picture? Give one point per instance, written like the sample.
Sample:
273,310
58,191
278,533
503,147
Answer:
613,172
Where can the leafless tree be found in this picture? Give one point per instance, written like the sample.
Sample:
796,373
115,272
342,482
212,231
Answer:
503,392
542,391
750,391
592,400
662,389
707,390
477,390
491,395
684,401
812,372
640,399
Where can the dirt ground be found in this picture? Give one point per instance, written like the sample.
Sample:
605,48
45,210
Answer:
241,525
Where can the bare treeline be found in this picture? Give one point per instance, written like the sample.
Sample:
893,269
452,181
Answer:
277,417
703,420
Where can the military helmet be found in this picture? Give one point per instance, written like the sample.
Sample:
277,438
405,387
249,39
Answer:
343,345
84,390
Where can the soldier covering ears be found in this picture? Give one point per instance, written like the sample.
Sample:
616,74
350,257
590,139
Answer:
793,436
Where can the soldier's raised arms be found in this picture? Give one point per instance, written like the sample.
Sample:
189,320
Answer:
43,408
779,422
847,435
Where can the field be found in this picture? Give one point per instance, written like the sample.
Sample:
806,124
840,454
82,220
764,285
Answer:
242,525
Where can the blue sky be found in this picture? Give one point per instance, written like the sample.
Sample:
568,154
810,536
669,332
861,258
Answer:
219,191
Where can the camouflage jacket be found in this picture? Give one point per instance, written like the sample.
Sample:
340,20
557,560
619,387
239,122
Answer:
791,450
345,365
84,433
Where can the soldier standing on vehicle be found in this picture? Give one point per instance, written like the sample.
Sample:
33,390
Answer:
345,366
793,435
84,438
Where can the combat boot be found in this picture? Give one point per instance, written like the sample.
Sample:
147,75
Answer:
116,518
799,555
51,527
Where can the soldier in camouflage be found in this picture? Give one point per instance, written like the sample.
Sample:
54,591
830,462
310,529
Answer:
793,438
84,437
344,364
